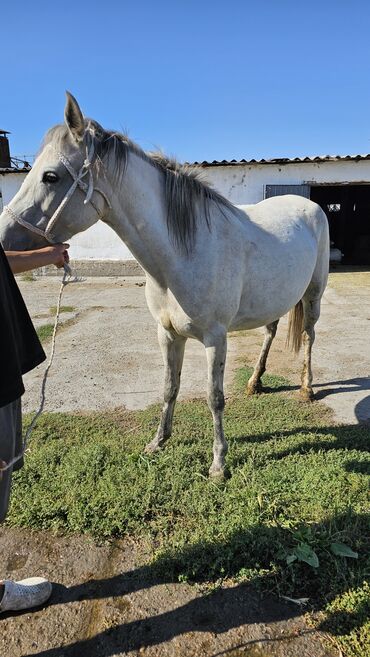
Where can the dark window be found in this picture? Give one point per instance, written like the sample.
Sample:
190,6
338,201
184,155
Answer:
280,190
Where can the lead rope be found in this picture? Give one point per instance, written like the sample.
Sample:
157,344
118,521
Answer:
65,280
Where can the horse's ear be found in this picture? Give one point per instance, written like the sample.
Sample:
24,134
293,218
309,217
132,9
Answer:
74,118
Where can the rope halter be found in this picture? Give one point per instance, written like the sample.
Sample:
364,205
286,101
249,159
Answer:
87,188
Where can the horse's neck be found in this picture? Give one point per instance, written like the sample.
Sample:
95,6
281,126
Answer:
138,217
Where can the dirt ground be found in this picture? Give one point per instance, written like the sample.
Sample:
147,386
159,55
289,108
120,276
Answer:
107,604
105,601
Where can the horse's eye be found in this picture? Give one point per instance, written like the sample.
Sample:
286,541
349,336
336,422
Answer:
49,177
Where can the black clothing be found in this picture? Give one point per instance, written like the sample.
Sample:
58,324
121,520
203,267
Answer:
20,348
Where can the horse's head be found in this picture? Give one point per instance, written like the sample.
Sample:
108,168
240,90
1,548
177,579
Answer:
59,197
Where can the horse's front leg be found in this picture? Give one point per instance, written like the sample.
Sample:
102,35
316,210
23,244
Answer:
216,357
172,347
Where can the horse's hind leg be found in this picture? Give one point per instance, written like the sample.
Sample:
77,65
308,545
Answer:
311,313
172,347
311,302
254,384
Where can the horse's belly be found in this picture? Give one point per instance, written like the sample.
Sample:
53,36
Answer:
250,320
268,297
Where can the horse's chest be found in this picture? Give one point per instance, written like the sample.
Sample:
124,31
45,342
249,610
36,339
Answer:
165,320
168,312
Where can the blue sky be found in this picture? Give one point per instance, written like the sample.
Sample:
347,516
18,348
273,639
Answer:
201,79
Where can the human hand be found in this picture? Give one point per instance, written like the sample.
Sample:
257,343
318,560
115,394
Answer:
56,254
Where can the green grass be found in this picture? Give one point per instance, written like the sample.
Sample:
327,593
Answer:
27,277
347,617
63,309
44,332
297,488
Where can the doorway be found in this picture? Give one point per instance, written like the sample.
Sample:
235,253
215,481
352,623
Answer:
347,208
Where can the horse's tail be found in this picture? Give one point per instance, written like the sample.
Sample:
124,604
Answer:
295,328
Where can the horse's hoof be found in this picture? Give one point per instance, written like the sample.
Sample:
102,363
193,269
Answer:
307,394
254,388
151,448
217,474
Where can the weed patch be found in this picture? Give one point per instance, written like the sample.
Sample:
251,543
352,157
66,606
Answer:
44,332
63,309
27,277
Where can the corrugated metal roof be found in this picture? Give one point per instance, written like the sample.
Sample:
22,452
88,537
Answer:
286,160
226,163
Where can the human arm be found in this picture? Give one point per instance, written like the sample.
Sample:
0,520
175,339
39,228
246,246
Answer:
55,254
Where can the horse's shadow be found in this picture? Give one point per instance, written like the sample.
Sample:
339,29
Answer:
322,390
342,385
360,383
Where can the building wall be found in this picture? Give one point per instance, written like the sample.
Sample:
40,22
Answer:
9,185
246,183
99,242
242,184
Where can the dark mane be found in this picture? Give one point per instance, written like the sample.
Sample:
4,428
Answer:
189,197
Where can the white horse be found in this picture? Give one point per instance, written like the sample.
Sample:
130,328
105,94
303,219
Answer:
210,267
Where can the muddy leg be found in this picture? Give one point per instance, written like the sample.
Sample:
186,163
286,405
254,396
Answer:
254,384
311,310
216,356
172,347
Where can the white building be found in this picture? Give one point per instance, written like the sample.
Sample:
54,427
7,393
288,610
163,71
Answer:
340,184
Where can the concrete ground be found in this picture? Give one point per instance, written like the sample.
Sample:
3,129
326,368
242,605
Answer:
107,353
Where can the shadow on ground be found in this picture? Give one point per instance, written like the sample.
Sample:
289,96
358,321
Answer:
227,607
357,384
